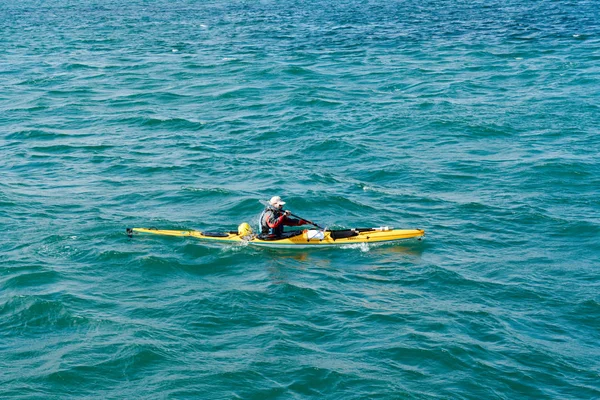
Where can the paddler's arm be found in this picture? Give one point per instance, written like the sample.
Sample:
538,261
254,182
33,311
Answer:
292,221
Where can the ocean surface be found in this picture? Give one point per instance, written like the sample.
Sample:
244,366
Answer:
477,121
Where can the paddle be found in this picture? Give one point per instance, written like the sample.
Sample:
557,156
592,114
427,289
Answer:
266,203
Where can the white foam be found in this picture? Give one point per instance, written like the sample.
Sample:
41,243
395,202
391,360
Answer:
364,247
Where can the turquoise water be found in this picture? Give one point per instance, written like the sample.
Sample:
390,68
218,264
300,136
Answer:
476,121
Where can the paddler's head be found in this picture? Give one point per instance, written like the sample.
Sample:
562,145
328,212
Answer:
276,202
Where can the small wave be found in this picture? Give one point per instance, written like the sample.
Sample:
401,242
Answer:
558,168
298,71
216,190
303,292
167,123
240,92
6,201
338,146
58,246
113,255
590,310
121,356
78,66
40,81
64,93
159,263
67,149
26,313
37,134
317,102
33,278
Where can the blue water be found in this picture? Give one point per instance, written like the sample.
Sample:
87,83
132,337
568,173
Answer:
476,121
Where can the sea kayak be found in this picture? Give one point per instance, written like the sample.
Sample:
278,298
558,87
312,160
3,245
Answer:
307,238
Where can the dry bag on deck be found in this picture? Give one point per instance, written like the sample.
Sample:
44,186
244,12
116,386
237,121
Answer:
345,233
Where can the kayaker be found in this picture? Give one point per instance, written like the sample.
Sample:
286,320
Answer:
274,218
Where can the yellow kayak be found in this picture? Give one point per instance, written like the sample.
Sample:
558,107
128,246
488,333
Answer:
307,238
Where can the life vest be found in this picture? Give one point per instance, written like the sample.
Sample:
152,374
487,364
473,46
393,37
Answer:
271,221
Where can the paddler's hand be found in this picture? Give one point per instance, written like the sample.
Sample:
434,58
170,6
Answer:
287,213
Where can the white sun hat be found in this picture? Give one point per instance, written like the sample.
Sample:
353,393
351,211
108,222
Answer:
276,201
